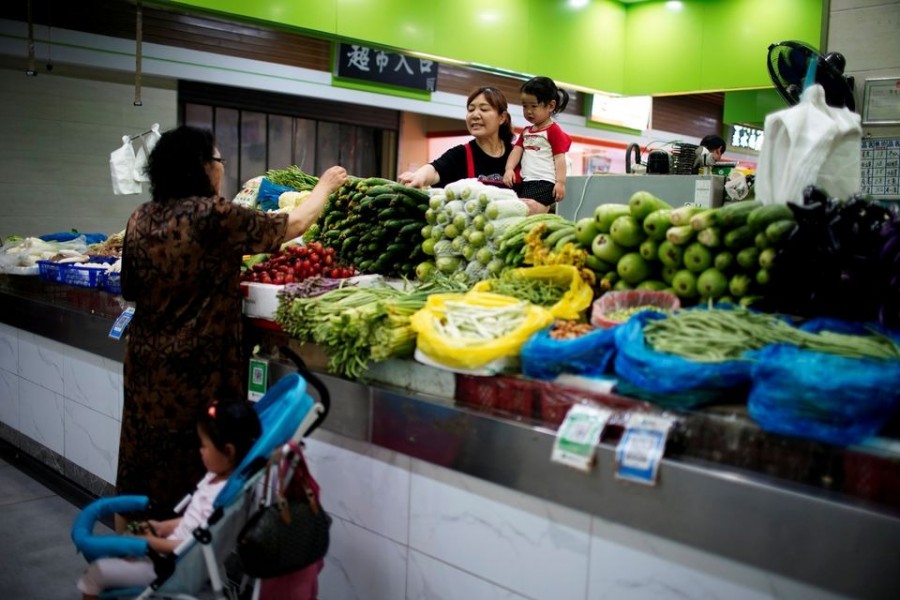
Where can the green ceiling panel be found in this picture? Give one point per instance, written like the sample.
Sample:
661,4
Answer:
405,24
632,49
664,48
578,46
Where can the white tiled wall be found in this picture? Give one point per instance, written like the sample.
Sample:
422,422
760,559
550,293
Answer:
65,399
470,539
402,528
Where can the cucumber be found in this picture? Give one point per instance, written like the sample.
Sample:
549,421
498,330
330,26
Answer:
761,241
767,258
378,190
348,244
740,237
759,218
375,181
414,193
409,228
735,214
778,231
723,261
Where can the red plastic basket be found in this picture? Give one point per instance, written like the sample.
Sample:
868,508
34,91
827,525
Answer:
614,301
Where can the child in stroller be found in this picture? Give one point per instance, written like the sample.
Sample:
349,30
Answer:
227,430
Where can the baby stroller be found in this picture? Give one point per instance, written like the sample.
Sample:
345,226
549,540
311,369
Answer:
287,413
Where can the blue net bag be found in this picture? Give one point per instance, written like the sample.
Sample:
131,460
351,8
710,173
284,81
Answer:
543,357
820,396
267,197
671,380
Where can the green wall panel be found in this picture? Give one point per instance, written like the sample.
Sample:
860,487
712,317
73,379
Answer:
750,107
581,47
663,48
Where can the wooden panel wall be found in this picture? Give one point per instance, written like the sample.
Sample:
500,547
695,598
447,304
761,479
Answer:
694,114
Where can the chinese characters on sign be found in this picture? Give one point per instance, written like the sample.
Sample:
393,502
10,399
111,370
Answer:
359,62
746,137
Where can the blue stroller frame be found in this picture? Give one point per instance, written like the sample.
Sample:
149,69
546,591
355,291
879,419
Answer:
287,413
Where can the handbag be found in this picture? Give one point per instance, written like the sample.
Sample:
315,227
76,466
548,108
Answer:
290,533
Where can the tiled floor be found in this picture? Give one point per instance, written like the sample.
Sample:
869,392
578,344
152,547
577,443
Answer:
37,558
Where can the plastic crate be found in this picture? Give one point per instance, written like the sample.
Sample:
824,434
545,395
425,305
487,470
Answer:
88,277
50,271
111,281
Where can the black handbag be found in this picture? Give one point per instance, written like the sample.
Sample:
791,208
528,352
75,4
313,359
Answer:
293,531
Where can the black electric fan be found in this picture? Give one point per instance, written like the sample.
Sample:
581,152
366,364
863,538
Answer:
793,65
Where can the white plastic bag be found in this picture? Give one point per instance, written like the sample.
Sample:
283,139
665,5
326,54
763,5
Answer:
121,166
148,141
809,144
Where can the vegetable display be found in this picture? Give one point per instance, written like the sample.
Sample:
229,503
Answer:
296,263
465,223
721,254
716,335
374,224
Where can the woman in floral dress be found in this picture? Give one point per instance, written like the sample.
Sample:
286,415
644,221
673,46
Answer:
181,266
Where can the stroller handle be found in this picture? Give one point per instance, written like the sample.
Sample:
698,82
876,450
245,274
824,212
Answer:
324,395
99,546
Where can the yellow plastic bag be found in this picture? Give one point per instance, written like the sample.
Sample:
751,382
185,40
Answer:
576,300
463,353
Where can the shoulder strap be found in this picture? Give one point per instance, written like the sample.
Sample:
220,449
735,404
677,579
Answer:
470,161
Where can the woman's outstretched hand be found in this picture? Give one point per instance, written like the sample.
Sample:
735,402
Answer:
332,179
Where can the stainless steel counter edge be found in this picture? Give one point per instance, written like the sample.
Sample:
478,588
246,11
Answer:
805,535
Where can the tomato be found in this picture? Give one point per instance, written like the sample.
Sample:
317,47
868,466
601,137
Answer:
289,278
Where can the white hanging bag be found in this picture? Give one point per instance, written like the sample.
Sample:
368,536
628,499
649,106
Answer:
121,166
809,144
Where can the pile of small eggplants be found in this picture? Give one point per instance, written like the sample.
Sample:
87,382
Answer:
842,260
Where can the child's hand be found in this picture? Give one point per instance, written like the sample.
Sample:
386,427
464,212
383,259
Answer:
160,528
509,178
559,191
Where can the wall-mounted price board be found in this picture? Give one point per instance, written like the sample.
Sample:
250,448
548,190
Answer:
881,168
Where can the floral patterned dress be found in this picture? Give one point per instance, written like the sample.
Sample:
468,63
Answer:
181,266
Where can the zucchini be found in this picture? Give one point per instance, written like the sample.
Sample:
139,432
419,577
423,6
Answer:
740,237
711,237
778,231
748,258
683,214
707,218
657,223
759,218
557,235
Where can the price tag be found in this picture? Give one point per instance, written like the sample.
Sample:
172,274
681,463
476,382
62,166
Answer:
121,323
641,448
259,379
577,438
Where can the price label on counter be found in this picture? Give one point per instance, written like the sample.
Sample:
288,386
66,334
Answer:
577,438
642,447
258,380
121,323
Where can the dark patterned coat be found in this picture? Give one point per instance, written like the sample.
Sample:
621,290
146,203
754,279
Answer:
181,266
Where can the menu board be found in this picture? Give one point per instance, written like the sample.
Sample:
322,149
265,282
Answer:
881,168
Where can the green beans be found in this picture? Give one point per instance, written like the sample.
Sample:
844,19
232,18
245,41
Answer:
535,291
718,335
